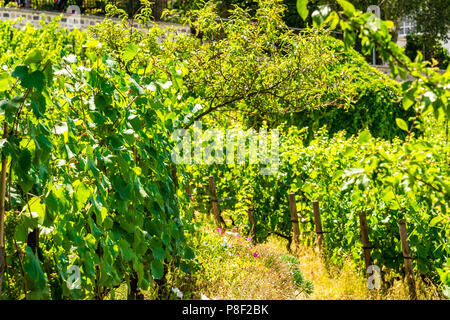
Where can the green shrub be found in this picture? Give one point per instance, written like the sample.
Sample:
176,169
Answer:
430,48
375,99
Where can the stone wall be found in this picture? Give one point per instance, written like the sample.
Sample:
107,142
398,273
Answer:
69,21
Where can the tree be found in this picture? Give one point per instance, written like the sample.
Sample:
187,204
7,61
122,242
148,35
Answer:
431,16
432,49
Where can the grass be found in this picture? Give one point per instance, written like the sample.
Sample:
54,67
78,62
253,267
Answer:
229,270
346,282
230,267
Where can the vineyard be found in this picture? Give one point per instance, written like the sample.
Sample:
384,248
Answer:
355,165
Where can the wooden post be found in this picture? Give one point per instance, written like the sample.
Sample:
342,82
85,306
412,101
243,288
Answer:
174,177
318,223
294,217
215,205
189,192
365,239
83,53
407,259
251,219
2,267
191,198
2,212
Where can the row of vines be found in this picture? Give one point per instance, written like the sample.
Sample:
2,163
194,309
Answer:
406,177
85,169
346,176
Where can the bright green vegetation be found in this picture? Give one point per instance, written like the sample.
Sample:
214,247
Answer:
86,150
298,277
346,175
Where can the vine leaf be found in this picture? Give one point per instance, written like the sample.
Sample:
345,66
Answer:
302,8
157,268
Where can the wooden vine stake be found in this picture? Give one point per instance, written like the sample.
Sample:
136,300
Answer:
174,177
189,192
318,223
2,213
294,218
407,259
191,198
251,219
212,188
365,239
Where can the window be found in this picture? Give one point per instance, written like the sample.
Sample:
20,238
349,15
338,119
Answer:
407,26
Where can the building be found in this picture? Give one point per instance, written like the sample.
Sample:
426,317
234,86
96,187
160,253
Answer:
408,26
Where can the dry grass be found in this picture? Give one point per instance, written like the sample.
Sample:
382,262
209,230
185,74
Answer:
232,272
239,275
346,283
268,277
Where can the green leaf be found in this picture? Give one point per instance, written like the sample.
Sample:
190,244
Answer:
92,167
82,194
349,9
135,122
157,269
34,79
332,20
436,220
101,101
158,252
24,161
401,124
35,276
20,72
21,233
9,107
38,104
364,137
37,80
51,208
408,99
302,8
26,182
92,44
35,56
37,208
44,143
130,52
349,151
189,254
125,192
125,249
4,81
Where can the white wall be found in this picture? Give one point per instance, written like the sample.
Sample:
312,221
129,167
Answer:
68,21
